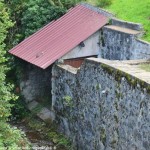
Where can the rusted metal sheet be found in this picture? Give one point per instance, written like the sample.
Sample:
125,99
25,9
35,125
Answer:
57,38
76,62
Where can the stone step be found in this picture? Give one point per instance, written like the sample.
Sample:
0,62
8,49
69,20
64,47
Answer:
42,112
124,30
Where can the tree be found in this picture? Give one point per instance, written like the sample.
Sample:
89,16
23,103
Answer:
37,13
10,138
16,8
30,15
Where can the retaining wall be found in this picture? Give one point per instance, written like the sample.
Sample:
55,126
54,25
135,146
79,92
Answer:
122,45
100,107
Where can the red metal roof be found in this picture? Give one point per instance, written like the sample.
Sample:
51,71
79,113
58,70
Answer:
58,37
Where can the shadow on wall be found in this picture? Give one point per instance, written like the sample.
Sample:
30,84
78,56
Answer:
35,84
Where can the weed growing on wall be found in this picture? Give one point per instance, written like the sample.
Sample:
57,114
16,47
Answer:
67,100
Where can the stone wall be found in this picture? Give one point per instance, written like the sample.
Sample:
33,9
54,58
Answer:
35,83
127,24
123,44
141,49
101,107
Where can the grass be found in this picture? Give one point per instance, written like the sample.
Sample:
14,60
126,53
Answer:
49,132
137,11
145,67
134,11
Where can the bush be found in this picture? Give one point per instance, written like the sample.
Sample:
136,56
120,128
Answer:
38,13
103,3
10,138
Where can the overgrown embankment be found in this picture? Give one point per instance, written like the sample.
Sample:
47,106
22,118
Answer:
10,138
41,135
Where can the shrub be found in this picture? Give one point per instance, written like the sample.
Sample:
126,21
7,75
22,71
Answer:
38,13
10,138
103,3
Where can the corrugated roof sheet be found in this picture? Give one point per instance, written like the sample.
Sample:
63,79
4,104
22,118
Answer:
57,38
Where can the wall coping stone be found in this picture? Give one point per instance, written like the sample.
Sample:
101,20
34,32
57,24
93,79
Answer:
127,68
123,30
130,67
127,24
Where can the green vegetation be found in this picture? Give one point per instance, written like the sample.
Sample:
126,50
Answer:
128,10
10,138
59,139
50,132
67,100
103,3
134,11
145,67
100,3
38,13
19,19
103,135
29,16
